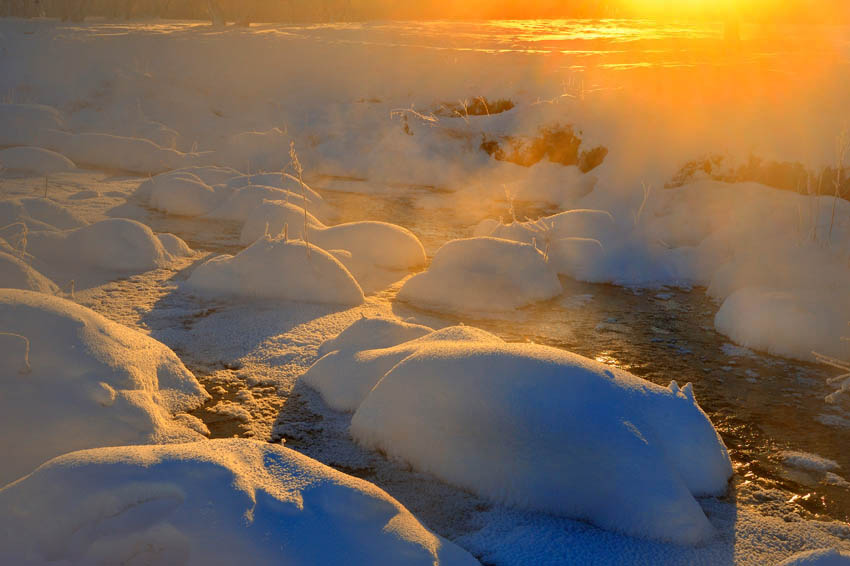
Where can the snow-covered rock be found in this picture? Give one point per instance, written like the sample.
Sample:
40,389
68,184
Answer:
174,245
271,217
792,323
210,502
353,362
822,557
241,203
71,379
180,193
283,181
116,245
38,214
483,275
367,246
276,268
17,274
22,123
548,430
115,153
34,161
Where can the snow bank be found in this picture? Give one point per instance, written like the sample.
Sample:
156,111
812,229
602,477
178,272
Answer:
115,153
17,274
23,123
278,269
552,431
791,323
211,502
86,382
116,245
823,557
38,214
34,160
483,275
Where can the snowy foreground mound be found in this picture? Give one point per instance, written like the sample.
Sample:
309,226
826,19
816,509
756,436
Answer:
277,268
531,426
210,502
73,379
483,275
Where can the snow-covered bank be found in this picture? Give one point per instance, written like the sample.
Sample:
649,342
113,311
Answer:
210,502
73,379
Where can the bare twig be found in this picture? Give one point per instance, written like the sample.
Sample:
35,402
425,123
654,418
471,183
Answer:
27,368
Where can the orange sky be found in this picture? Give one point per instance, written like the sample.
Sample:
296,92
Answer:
793,10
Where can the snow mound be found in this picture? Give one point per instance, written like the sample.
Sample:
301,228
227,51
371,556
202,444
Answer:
823,557
362,247
34,160
116,245
791,323
38,214
17,274
22,123
271,216
180,193
579,223
551,431
283,181
211,502
483,275
373,333
210,174
115,153
241,203
87,382
353,362
807,461
279,269
174,245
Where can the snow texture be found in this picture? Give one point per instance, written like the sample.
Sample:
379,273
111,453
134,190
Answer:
276,268
73,380
34,160
209,502
483,275
548,430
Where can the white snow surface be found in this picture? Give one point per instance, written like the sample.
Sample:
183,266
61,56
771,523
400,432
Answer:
86,382
530,426
17,274
114,153
209,502
116,245
822,557
483,275
38,214
23,123
355,361
34,160
807,461
276,268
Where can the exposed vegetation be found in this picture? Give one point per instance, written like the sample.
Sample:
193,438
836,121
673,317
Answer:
558,144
